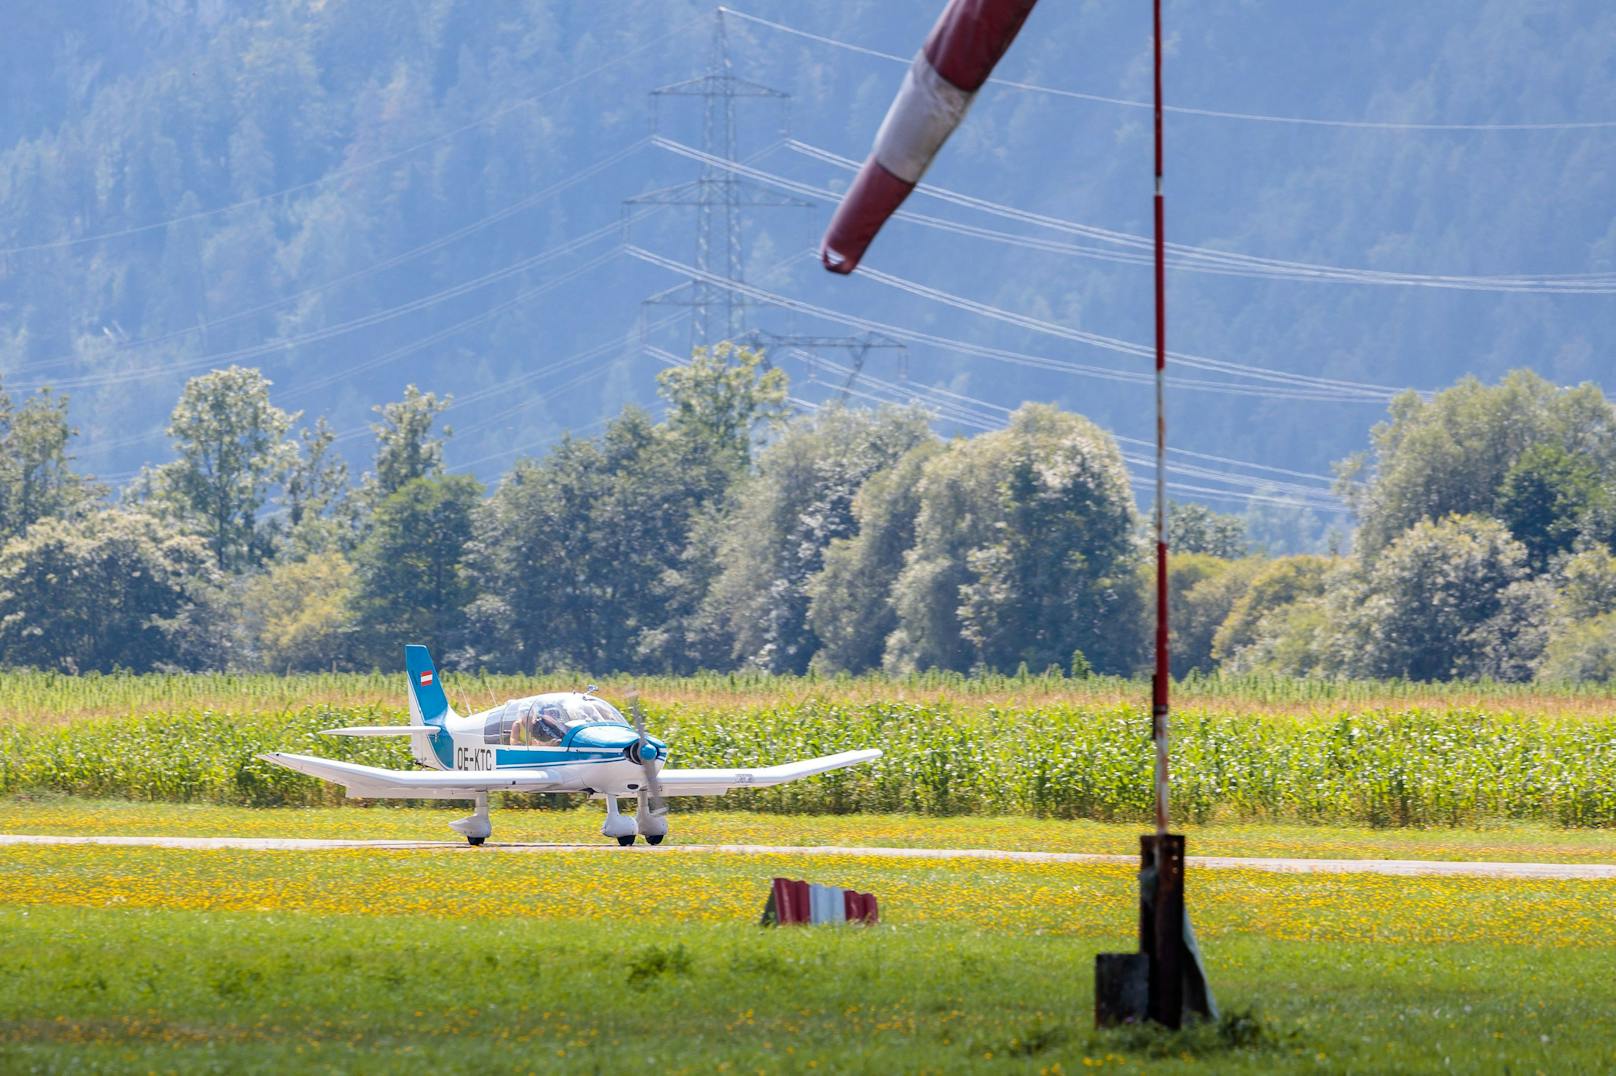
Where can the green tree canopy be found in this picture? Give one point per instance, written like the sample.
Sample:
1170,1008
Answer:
786,515
413,585
405,447
1588,584
1201,589
1453,453
1583,651
109,590
580,554
299,614
1195,528
36,475
232,452
320,512
718,401
1024,552
1544,499
850,600
1278,583
1441,602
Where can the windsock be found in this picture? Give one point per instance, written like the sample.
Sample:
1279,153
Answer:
957,58
802,902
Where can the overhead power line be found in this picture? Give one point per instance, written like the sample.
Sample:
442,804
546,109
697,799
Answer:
1205,260
1018,358
1259,492
1126,347
1206,254
1210,113
979,419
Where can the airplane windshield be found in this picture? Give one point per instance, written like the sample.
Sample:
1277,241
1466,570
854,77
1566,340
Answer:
592,712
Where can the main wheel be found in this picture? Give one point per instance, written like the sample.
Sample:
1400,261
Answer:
654,838
475,841
626,841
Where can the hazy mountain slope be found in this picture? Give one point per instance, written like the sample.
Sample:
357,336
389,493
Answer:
367,116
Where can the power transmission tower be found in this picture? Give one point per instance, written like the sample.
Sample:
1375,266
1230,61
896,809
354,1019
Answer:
720,198
718,195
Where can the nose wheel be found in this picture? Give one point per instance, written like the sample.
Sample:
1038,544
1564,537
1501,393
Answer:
654,838
627,839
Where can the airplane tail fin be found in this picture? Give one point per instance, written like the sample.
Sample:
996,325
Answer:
428,704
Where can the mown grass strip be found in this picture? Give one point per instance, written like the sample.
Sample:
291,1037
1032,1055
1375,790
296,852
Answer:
1516,842
1057,899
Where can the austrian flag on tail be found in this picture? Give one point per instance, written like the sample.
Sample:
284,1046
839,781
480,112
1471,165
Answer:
957,58
426,678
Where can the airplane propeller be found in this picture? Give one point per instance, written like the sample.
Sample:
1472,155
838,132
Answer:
644,752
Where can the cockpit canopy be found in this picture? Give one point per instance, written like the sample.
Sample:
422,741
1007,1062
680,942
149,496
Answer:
543,720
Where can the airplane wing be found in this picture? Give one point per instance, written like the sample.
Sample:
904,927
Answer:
373,782
384,730
718,782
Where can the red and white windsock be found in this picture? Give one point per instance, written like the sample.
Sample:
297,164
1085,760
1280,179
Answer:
957,58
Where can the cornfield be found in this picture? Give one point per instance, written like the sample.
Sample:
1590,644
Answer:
27,696
1382,766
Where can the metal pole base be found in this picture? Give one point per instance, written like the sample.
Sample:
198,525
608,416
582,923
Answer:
1165,979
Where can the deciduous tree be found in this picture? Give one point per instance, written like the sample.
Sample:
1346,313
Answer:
232,452
850,600
1439,603
405,446
785,516
1024,552
1451,454
413,585
109,590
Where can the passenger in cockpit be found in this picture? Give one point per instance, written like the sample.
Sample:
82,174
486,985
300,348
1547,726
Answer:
521,731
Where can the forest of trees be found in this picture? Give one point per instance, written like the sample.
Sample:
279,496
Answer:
733,535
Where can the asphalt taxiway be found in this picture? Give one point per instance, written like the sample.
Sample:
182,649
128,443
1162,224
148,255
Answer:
1473,869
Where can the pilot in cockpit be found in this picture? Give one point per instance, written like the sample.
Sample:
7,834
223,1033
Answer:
549,725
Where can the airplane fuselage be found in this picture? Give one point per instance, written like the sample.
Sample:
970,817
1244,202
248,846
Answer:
577,738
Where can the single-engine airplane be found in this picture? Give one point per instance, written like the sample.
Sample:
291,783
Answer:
560,742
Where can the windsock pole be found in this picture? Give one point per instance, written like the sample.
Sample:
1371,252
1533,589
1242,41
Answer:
1160,686
1165,978
1161,898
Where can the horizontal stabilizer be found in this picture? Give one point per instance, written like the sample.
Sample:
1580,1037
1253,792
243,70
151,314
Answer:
373,782
718,782
384,730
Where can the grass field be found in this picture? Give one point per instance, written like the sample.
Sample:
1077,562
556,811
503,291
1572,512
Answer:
149,959
131,959
1519,842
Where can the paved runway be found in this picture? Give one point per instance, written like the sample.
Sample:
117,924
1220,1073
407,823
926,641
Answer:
1555,871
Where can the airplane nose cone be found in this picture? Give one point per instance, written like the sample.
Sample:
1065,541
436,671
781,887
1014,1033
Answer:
641,753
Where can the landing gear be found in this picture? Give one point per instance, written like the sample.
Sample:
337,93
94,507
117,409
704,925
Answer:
616,825
653,826
475,827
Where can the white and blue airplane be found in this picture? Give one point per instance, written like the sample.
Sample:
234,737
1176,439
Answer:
560,742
